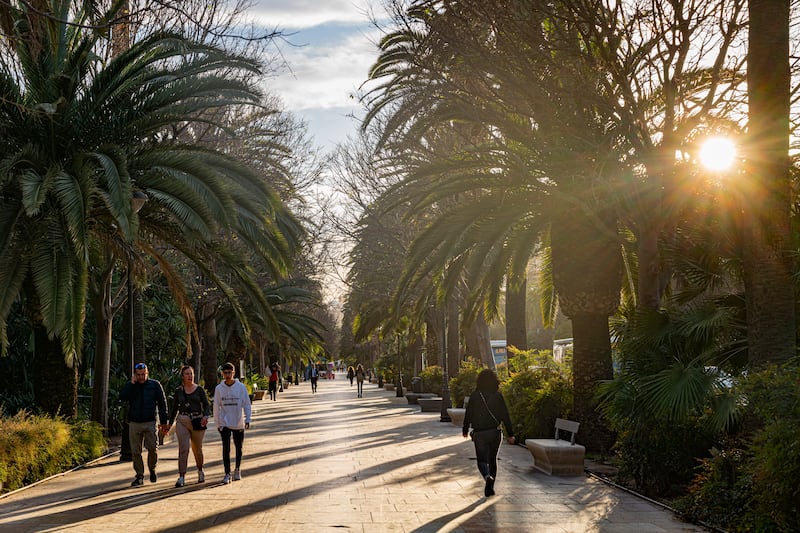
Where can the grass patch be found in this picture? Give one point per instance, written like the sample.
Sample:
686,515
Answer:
33,447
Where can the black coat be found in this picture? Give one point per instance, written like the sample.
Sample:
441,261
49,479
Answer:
480,413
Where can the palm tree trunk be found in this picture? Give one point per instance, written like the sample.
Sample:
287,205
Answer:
591,364
769,290
55,385
477,342
516,314
207,326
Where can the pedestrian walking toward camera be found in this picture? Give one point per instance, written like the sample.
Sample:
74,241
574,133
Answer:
274,376
313,375
351,373
148,404
190,410
232,415
360,380
487,412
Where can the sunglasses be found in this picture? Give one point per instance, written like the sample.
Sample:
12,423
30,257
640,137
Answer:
140,366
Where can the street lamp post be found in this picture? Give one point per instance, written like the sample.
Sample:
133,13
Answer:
399,387
443,415
138,200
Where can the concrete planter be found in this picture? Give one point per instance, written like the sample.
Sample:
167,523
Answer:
456,415
430,405
412,397
388,386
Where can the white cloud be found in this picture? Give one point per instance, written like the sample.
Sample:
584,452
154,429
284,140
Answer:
321,76
294,14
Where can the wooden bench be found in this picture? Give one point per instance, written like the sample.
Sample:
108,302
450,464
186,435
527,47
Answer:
558,457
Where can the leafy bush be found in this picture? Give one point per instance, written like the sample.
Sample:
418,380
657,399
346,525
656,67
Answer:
36,447
535,399
432,379
751,484
462,385
261,381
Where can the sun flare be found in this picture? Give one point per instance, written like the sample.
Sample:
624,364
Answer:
718,153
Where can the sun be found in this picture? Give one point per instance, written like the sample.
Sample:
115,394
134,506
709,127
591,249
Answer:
718,153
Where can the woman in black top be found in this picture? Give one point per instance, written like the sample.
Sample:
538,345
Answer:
190,410
486,412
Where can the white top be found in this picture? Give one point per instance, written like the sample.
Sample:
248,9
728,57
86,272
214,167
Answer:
229,402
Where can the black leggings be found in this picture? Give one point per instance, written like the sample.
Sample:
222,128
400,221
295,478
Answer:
238,439
487,444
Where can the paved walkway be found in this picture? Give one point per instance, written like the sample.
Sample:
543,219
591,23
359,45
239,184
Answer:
334,462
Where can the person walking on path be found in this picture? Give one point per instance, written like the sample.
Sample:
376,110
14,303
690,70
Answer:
190,410
273,382
232,415
351,373
313,375
148,404
360,380
486,413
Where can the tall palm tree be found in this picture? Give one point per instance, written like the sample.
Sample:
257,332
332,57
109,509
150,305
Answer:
768,265
80,136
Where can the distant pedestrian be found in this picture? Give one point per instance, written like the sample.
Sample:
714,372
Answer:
190,410
274,376
148,404
232,416
351,373
313,375
487,412
360,380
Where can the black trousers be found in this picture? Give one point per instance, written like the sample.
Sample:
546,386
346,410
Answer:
487,444
238,440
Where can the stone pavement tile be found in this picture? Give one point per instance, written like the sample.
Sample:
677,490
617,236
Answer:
334,462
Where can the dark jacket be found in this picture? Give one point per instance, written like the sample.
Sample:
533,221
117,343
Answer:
144,399
478,413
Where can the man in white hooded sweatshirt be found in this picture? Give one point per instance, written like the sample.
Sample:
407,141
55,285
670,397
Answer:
232,417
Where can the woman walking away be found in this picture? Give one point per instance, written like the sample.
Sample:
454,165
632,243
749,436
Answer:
273,382
360,380
351,373
191,407
487,412
232,415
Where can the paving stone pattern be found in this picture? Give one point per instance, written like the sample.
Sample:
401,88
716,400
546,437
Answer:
330,462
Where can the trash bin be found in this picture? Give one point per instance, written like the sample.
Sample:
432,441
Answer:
416,384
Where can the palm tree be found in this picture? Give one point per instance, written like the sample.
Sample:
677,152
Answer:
767,259
80,136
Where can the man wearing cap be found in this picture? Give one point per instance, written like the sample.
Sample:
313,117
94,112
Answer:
148,404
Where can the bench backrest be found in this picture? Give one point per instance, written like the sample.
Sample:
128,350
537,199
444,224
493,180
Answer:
567,425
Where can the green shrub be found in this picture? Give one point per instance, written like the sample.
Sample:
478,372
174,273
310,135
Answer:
536,397
432,379
751,484
261,381
463,384
36,447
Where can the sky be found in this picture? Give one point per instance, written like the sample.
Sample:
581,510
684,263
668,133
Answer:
328,49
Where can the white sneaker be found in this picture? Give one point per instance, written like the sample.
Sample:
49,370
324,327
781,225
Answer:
201,476
180,482
226,479
237,475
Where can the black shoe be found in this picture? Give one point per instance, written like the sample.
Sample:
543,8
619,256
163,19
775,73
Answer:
489,490
137,482
153,476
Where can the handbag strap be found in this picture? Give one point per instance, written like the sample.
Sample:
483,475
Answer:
487,408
